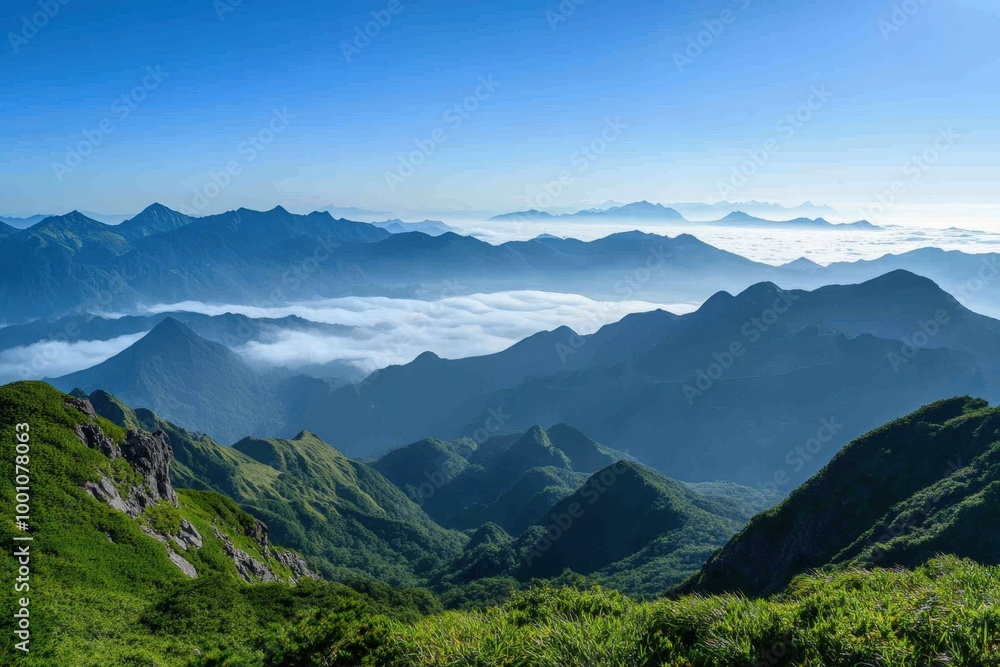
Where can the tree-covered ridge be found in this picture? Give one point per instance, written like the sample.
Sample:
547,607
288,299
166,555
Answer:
918,486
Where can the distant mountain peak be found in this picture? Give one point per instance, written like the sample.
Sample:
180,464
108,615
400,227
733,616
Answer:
802,264
739,215
168,333
901,279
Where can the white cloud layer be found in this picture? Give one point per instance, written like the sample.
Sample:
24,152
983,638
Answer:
771,246
49,358
393,331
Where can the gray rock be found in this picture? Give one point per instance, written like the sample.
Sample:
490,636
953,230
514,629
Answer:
186,567
188,538
92,436
106,491
82,404
248,567
149,455
152,533
294,562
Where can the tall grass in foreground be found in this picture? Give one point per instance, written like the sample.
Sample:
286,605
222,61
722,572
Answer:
943,613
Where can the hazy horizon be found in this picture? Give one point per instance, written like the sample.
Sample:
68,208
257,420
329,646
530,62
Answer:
861,107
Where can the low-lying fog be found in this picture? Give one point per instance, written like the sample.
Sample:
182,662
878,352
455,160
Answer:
386,331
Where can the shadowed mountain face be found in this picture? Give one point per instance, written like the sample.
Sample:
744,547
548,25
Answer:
760,388
374,416
920,485
509,480
627,511
625,526
186,379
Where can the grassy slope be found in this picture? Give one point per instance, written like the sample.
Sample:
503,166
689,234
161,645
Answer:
93,569
104,593
343,515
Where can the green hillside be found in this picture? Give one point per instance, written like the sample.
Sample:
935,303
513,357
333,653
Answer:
342,515
112,543
631,528
918,486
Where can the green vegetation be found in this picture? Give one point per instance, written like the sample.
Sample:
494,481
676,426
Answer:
345,517
919,486
106,592
94,571
942,613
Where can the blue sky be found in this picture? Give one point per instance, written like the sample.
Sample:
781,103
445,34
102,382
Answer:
893,77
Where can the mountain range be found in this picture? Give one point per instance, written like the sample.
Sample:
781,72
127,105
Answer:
189,380
682,392
72,264
168,540
800,372
644,212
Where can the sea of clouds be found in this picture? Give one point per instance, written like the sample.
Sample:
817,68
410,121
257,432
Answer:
385,331
395,331
769,245
52,358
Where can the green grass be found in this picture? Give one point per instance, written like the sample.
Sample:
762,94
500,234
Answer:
942,613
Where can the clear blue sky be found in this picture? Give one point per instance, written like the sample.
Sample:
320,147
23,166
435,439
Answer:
891,92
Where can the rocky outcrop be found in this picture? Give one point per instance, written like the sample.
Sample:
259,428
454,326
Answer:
248,567
106,491
92,436
149,454
259,535
82,403
295,563
189,537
